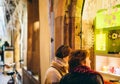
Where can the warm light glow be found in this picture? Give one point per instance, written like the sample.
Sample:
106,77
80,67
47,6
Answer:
105,68
36,25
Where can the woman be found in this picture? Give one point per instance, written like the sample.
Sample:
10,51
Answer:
59,65
79,70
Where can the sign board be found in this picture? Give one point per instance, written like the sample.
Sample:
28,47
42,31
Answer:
8,59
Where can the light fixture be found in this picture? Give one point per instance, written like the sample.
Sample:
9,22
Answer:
36,25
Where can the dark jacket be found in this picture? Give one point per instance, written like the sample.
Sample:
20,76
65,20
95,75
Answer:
82,75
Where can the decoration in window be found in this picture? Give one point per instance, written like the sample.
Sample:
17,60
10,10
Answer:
113,34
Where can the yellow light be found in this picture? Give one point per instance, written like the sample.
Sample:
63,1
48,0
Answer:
101,42
36,25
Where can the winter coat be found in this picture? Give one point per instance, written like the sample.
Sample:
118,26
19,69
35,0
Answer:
57,69
82,75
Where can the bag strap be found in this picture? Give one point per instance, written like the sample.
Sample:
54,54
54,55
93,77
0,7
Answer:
57,70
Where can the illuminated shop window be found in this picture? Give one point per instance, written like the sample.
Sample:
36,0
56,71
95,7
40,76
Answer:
101,42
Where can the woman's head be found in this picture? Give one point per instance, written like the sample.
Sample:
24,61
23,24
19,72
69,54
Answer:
79,57
63,51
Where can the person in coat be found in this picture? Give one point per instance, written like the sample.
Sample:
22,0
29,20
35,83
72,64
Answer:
80,71
59,66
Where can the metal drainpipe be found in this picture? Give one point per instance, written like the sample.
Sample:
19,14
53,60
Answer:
81,23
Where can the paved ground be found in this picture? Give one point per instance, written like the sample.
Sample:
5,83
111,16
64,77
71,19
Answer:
4,78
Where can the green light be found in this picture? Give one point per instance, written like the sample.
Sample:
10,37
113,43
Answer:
108,18
101,42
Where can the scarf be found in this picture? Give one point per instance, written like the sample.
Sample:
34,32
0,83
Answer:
83,69
60,65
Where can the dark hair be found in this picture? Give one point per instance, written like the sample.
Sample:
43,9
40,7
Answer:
77,57
63,51
6,44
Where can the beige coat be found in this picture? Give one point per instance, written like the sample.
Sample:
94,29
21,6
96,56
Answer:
53,75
